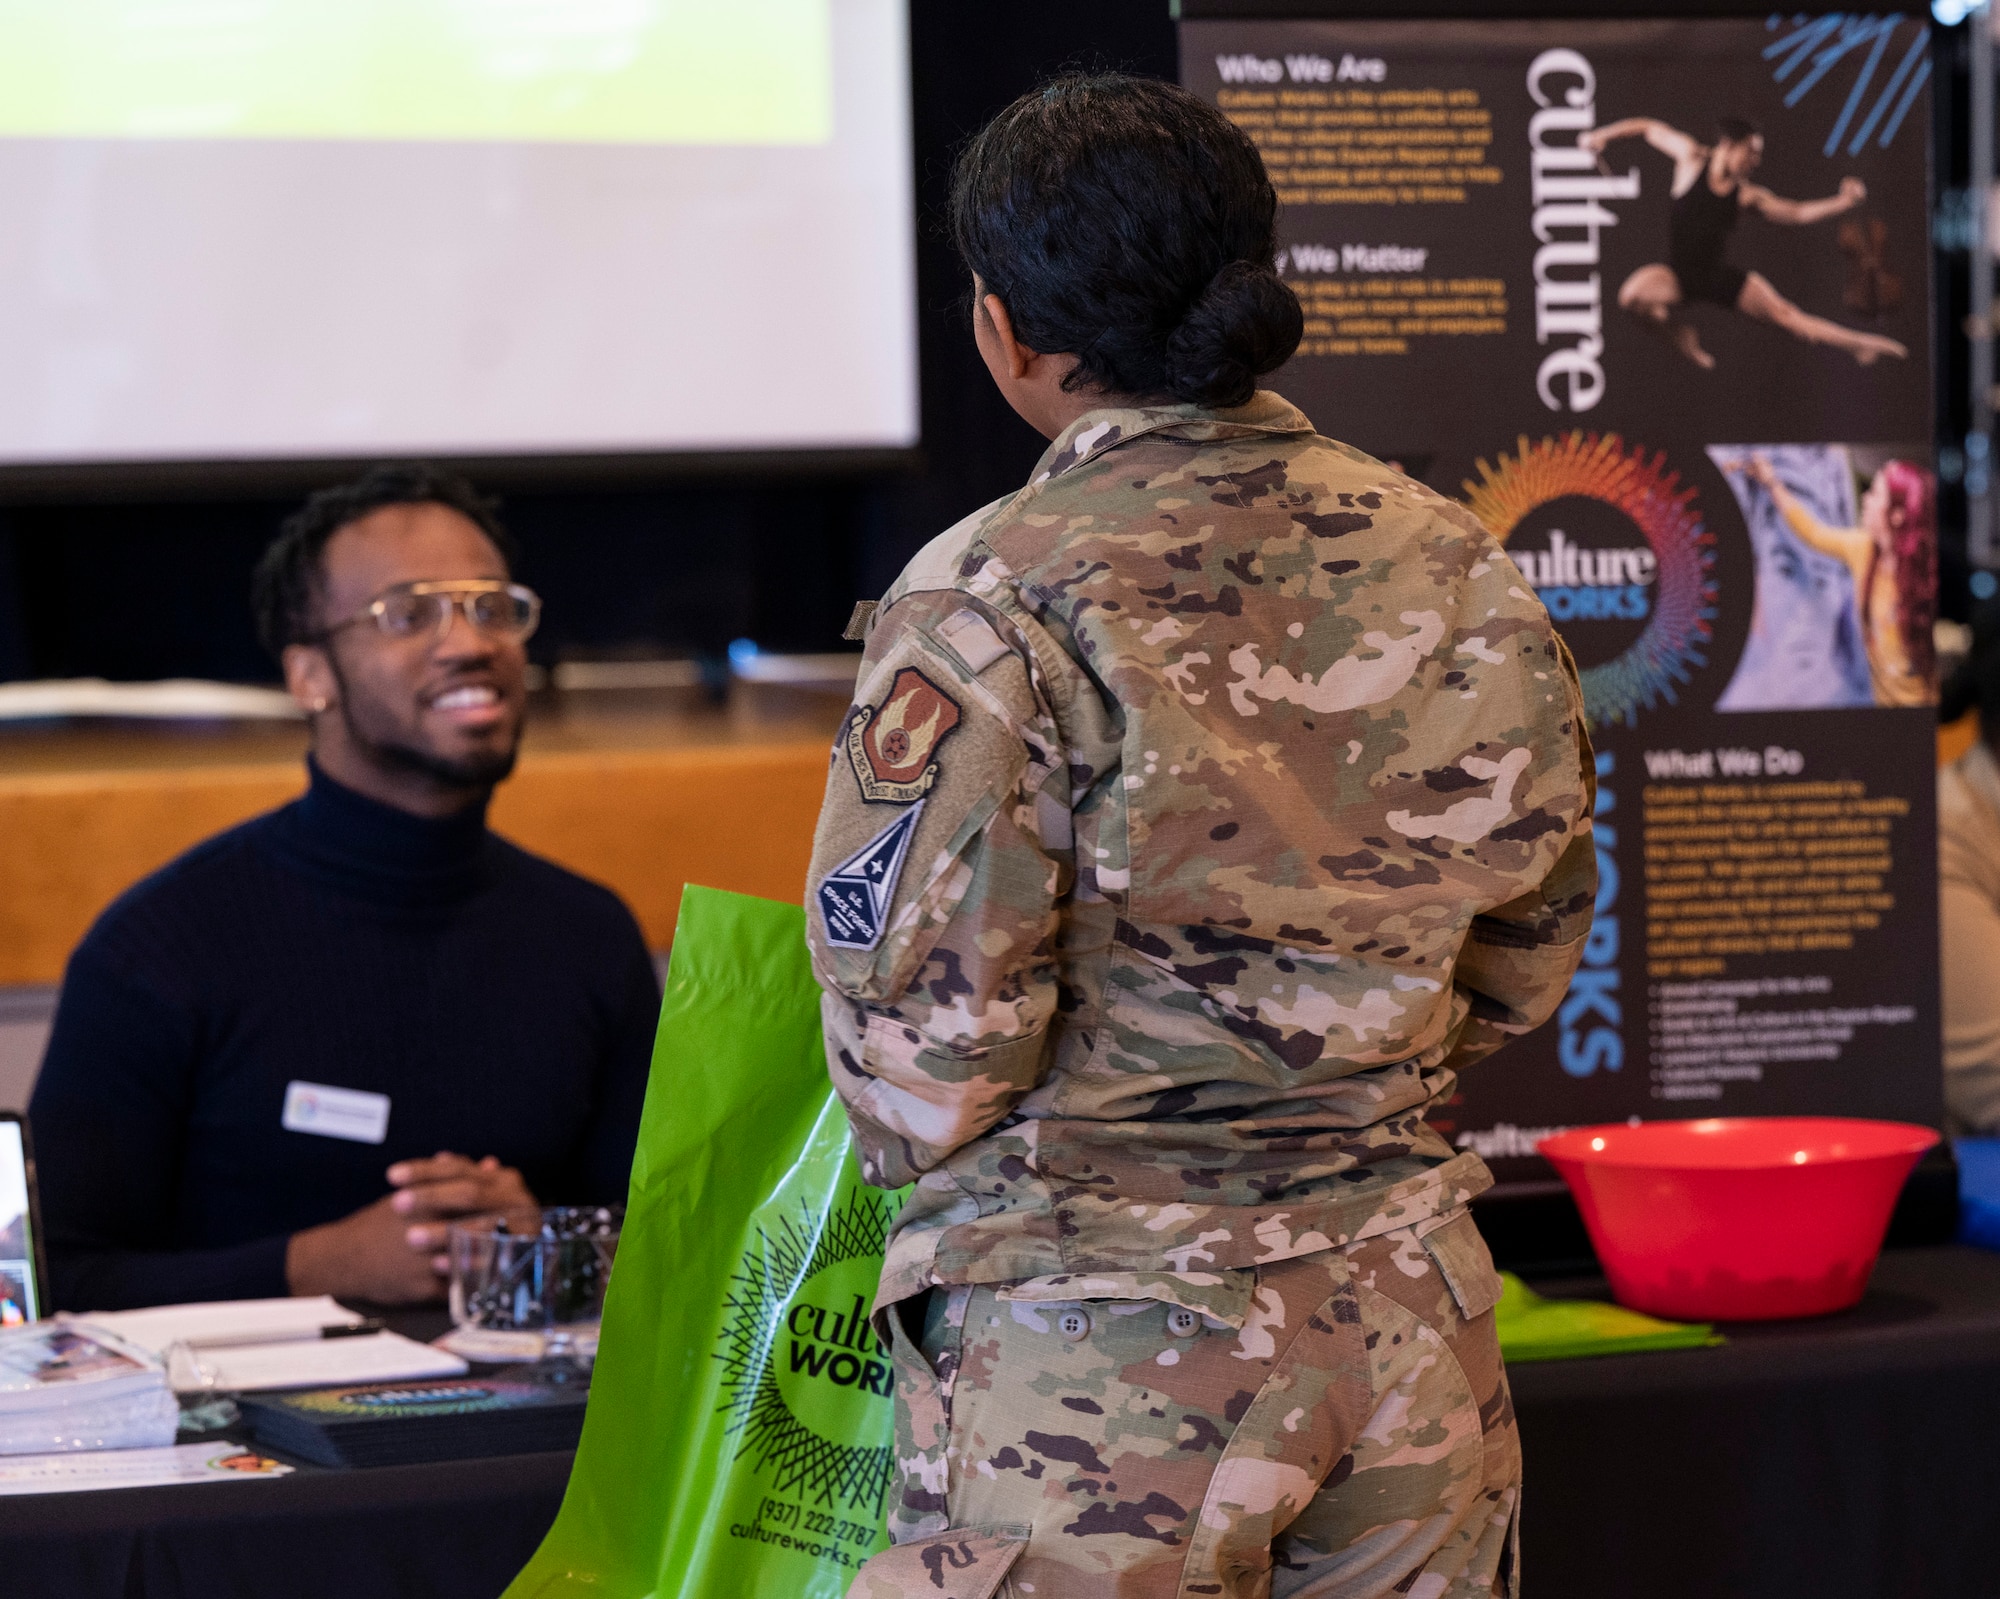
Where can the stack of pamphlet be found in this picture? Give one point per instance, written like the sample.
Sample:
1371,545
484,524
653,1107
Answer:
64,1387
393,1424
237,1346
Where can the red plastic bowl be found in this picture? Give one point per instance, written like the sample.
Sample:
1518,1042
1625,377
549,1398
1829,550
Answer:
1738,1218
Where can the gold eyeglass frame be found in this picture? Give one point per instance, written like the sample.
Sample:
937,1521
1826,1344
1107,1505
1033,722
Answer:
463,591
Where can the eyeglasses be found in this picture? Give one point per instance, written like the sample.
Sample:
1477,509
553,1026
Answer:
504,610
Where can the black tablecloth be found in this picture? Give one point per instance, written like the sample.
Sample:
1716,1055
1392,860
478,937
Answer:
455,1530
1856,1455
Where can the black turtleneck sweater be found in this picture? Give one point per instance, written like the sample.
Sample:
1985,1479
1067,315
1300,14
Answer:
505,1006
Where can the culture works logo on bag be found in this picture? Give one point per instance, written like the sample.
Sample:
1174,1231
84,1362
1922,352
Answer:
803,1371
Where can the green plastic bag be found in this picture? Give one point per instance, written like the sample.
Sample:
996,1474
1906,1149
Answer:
738,1439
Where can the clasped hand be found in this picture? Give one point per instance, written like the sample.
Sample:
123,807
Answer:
391,1252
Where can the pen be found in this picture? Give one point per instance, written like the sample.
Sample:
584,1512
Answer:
297,1335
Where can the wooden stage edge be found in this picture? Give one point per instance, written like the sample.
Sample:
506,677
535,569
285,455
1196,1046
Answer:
641,803
645,802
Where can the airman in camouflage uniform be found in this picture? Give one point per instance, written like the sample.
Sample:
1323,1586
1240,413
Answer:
1205,805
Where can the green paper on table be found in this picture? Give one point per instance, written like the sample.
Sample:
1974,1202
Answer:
1534,1328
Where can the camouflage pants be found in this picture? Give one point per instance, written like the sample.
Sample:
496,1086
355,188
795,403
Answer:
1354,1437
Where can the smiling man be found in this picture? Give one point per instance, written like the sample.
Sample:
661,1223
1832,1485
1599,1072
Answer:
288,1060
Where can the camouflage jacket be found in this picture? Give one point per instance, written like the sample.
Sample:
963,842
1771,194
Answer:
1202,807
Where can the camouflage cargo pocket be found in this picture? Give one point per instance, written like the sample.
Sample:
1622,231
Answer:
1465,1263
969,1563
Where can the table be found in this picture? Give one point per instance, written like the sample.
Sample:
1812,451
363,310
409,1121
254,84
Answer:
1856,1455
1853,1455
459,1529
453,1529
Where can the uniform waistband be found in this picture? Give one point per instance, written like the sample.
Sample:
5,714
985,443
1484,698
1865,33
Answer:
1099,1233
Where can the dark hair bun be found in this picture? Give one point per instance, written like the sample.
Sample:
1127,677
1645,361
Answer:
1131,224
1246,323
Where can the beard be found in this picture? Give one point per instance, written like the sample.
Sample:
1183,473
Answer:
482,769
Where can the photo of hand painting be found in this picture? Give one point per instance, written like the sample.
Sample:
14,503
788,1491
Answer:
1711,189
1845,547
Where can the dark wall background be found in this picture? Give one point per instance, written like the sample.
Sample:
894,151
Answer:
1951,160
143,589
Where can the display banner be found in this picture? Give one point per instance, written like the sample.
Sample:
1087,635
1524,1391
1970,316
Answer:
1653,299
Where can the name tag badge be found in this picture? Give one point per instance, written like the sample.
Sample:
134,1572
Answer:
349,1113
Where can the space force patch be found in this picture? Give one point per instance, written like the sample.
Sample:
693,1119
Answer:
854,897
893,746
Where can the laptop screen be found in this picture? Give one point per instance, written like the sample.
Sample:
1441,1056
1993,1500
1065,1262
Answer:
20,1296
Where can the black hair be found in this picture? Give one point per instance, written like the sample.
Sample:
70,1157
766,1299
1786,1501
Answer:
1974,684
286,588
1130,223
1735,130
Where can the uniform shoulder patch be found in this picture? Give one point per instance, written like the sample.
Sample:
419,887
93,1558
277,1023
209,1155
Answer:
854,897
893,746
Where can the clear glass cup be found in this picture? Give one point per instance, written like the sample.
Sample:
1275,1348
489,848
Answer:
550,1282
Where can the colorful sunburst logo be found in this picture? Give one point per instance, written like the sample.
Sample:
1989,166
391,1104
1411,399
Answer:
1600,467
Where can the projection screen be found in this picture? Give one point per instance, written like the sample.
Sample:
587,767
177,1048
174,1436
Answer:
269,230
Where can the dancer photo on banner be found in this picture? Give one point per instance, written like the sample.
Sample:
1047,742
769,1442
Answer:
1711,190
